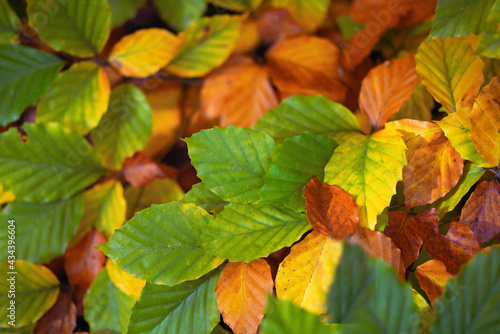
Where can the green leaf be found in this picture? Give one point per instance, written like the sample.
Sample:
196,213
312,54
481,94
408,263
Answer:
190,307
298,114
203,197
125,128
299,159
455,18
161,244
232,161
180,14
123,10
80,27
106,306
489,45
348,27
471,301
77,98
367,291
237,5
207,44
53,165
246,232
310,14
9,23
25,75
105,209
368,168
42,230
36,290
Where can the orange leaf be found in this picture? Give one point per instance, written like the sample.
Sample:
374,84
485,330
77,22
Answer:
359,46
239,92
432,276
242,294
376,244
432,172
403,230
386,88
249,37
331,211
140,170
419,10
306,65
61,318
379,13
485,125
276,24
83,262
481,212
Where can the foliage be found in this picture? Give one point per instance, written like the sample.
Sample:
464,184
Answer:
346,154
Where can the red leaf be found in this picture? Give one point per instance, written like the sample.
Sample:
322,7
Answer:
403,230
61,318
140,170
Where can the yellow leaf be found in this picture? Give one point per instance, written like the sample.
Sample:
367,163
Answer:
144,52
306,274
6,196
308,13
249,37
126,282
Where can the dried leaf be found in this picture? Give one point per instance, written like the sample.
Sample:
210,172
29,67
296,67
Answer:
60,318
276,24
140,170
403,230
432,276
308,13
331,211
242,294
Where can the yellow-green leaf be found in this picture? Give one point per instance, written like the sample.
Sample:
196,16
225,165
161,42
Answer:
126,282
9,22
308,13
180,14
237,5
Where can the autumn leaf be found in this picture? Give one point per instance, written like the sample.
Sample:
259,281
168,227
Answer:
307,273
481,212
432,276
242,292
386,88
140,170
124,281
308,13
61,317
239,92
331,211
276,24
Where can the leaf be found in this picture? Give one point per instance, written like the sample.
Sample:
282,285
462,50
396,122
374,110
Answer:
207,44
53,165
179,15
460,18
237,5
481,212
9,22
306,274
298,114
232,161
25,75
403,231
309,14
140,170
242,233
125,127
60,318
77,98
276,24
239,92
79,28
355,296
473,304
161,244
106,306
124,281
123,10
190,307
418,107
242,293
450,71
489,44
432,276
432,172
203,197
368,168
83,262
105,209
42,230
299,158
386,88
36,290
306,65
144,52
331,211
485,123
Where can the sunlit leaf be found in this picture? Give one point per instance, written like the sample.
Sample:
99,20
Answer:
126,282
203,197
309,14
432,276
180,14
77,98
9,22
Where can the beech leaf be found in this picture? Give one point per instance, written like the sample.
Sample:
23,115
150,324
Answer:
432,276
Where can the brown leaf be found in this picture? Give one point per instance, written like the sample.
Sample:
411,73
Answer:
276,24
306,65
386,88
432,172
83,262
242,294
481,212
359,46
331,211
379,13
239,92
376,244
432,276
61,318
140,170
403,230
